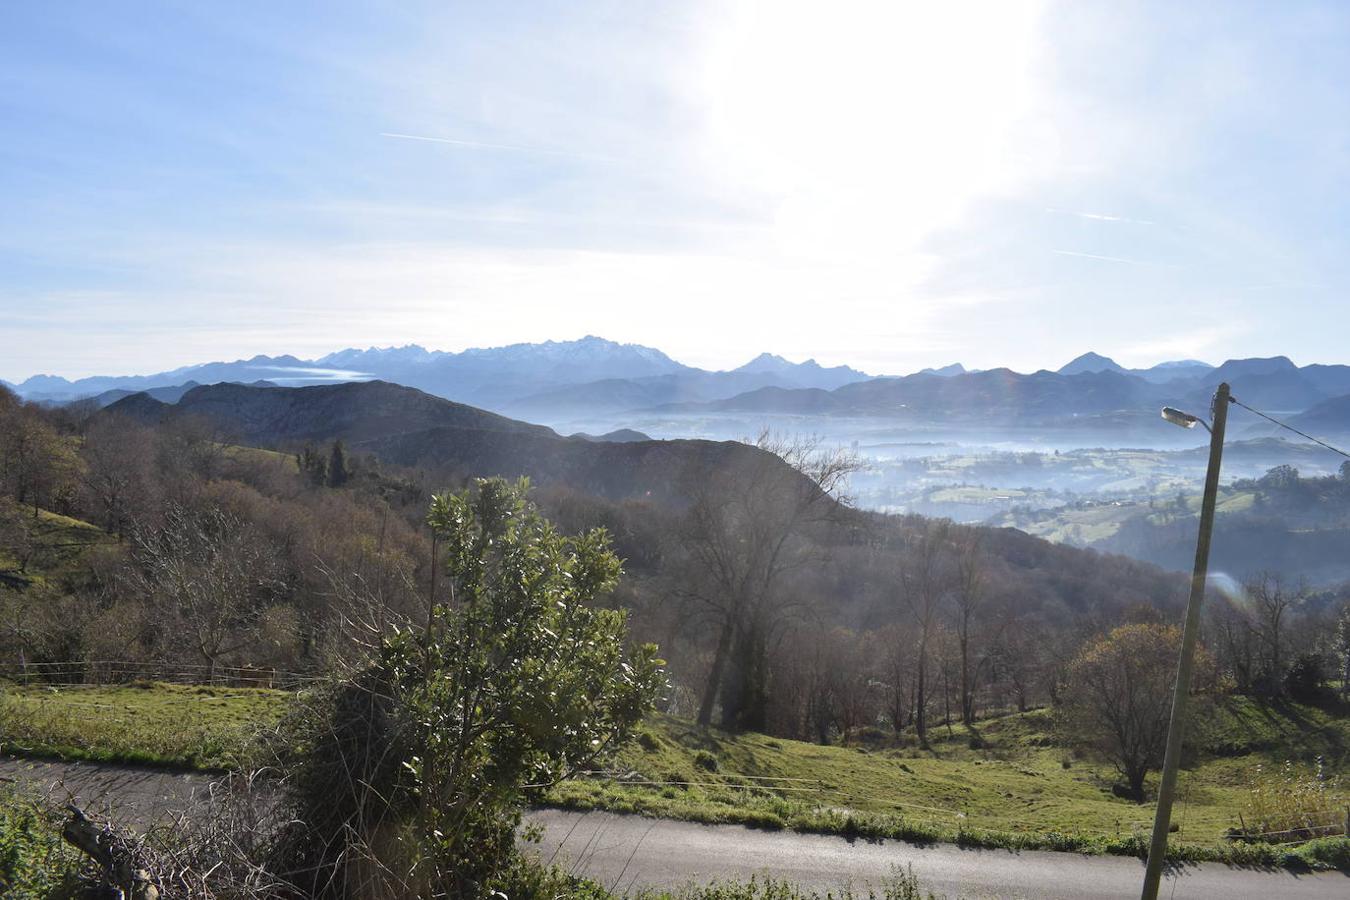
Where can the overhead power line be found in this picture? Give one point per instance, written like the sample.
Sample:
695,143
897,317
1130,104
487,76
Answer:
1290,428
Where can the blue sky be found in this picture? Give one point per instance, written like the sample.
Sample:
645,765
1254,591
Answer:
887,185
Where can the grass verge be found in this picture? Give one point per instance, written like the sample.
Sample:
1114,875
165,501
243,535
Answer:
1007,786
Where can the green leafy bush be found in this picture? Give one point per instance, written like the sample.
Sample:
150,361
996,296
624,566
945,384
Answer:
410,776
1326,853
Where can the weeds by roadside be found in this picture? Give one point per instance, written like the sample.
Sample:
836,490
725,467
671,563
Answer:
34,862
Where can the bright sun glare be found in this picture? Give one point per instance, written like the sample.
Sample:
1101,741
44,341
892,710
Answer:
869,127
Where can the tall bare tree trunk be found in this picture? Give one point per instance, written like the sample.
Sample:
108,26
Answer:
714,684
946,700
921,698
967,698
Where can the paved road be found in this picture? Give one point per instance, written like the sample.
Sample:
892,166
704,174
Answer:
126,793
627,852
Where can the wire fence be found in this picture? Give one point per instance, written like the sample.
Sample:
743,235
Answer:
845,801
97,673
1328,824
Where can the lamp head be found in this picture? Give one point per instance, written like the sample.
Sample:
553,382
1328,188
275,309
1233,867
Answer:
1177,417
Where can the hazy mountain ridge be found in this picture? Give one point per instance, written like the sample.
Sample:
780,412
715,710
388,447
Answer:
1002,397
808,371
1328,417
278,369
499,377
994,396
1161,373
952,369
165,394
601,381
1091,362
615,395
354,412
408,427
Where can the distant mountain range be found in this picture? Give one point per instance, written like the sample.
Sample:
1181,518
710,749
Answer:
597,380
1160,374
586,374
1090,390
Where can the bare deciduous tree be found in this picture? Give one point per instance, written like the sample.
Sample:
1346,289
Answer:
117,478
968,602
896,652
749,524
210,576
925,579
1116,697
1272,603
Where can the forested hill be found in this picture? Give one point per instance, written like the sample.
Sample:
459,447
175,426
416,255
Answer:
731,551
410,428
450,442
353,412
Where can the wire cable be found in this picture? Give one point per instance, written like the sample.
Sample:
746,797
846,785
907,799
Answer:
1290,428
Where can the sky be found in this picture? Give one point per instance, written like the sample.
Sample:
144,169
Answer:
888,185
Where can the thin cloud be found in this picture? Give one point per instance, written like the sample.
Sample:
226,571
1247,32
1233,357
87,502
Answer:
1284,286
481,145
1099,217
1114,259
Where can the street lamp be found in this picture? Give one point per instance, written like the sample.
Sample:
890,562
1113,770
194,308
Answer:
1184,419
1176,726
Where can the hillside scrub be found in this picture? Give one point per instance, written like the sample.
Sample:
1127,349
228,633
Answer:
347,562
407,777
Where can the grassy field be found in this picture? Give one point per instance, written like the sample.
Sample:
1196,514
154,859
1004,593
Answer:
60,545
258,455
1019,789
148,723
972,494
1089,523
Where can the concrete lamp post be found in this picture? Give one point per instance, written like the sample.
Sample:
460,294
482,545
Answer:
1176,727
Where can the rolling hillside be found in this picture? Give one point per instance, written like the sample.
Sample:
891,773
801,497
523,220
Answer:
407,427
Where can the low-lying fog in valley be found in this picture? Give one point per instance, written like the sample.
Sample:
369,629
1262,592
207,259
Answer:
1082,486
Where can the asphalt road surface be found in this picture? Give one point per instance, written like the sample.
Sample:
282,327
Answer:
627,853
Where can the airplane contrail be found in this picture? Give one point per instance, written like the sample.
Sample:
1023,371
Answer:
1100,217
481,145
1116,259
